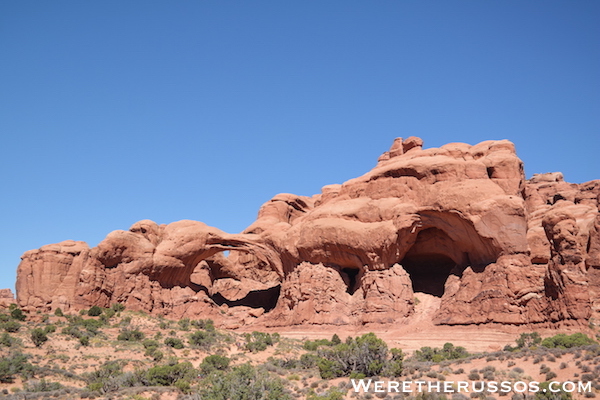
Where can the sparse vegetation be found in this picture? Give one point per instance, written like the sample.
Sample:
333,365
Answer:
448,352
144,360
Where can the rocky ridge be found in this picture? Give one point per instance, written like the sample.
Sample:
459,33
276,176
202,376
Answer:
460,223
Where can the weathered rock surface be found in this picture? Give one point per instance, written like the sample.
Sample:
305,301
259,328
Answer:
458,222
6,298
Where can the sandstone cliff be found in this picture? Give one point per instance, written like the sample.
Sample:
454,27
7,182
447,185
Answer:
459,222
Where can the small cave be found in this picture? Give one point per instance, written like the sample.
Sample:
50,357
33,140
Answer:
428,272
266,299
349,275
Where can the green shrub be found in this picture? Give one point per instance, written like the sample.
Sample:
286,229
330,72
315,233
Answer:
130,335
41,386
184,324
94,311
315,344
258,341
17,313
243,382
206,324
84,340
11,326
105,378
50,328
214,362
72,331
7,340
167,375
59,313
335,339
564,341
38,337
14,364
204,339
174,342
367,355
448,352
117,307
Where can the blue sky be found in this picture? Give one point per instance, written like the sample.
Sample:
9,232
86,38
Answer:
112,112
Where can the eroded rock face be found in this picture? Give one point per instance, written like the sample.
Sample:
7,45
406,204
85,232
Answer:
459,222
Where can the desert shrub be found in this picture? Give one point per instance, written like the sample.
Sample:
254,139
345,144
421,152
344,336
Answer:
169,374
94,311
214,362
567,341
130,335
41,386
72,331
108,313
16,313
333,393
15,364
258,341
308,361
474,376
184,324
84,340
50,328
105,379
206,324
243,382
150,344
448,352
174,342
545,394
38,337
528,339
587,377
204,339
313,345
59,313
335,339
117,307
11,326
7,340
366,355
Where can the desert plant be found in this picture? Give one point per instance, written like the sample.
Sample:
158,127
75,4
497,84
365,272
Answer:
567,341
174,342
130,335
94,311
258,341
214,362
38,337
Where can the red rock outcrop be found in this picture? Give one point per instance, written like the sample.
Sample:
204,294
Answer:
458,222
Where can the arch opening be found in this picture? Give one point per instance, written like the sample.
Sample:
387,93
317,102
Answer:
428,272
350,277
431,260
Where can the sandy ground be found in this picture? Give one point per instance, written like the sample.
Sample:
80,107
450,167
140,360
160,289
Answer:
419,331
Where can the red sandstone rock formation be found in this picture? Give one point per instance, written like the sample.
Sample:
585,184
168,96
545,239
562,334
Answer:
6,298
459,222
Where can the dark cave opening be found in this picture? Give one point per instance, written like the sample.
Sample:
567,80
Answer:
428,272
351,274
266,299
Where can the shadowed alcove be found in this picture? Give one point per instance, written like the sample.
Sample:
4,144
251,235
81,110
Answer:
430,261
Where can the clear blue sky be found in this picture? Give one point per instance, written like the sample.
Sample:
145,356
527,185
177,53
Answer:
116,111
